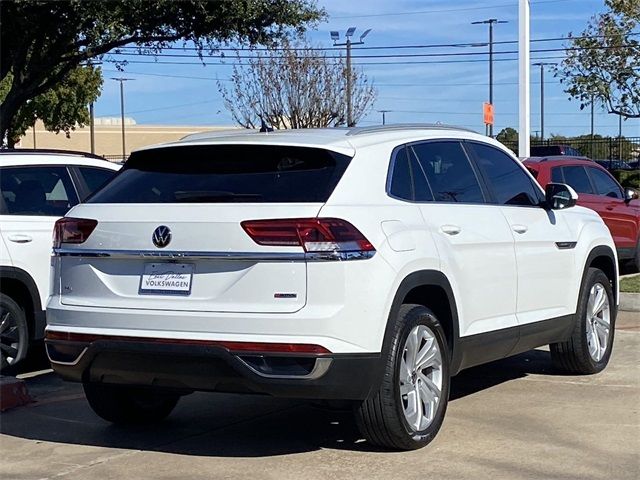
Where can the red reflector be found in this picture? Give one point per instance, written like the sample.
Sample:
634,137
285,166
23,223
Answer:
72,230
254,347
312,234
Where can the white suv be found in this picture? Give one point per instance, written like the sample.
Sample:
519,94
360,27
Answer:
365,264
37,187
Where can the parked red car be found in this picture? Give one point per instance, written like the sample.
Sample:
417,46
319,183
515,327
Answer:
599,191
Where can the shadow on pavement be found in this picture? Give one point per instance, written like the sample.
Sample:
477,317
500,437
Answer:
224,424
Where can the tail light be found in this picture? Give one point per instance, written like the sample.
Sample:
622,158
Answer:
312,234
72,230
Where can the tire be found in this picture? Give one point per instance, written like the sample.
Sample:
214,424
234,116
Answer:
589,348
129,405
14,333
385,418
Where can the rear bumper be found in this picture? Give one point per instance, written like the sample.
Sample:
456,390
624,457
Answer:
212,367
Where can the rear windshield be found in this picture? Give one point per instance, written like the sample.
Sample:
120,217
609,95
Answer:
226,174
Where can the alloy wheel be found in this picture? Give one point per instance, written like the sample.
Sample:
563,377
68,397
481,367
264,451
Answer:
421,376
598,318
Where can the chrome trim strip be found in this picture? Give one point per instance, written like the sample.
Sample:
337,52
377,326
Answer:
75,362
319,369
237,256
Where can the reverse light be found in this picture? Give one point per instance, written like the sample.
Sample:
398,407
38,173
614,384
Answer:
312,234
72,230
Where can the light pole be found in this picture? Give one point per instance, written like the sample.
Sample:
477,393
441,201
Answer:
122,80
542,65
384,118
92,131
335,36
491,22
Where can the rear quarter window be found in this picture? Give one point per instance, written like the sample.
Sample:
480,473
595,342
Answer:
226,174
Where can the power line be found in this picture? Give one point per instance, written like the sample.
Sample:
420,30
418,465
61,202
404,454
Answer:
474,44
395,55
437,62
464,9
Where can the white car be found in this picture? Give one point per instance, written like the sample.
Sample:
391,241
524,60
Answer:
37,187
363,264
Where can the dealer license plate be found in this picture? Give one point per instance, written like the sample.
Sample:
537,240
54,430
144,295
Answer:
166,279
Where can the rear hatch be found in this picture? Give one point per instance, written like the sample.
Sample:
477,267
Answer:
169,233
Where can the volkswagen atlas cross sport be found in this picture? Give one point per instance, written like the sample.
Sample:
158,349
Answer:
368,265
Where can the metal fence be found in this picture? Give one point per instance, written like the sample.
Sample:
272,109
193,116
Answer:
613,149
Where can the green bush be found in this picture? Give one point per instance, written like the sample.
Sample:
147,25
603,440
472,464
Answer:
628,178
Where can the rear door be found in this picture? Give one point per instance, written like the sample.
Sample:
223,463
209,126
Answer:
473,238
194,199
543,242
620,216
34,198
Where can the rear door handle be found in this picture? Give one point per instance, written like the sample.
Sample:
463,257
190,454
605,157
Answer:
609,207
519,228
451,229
20,238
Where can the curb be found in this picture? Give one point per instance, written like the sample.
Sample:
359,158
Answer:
629,302
13,393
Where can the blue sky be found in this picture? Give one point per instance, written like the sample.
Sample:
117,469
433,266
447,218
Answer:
429,92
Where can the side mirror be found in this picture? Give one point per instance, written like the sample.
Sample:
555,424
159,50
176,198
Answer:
630,194
560,196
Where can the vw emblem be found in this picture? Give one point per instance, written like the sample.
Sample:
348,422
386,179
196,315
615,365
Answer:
161,236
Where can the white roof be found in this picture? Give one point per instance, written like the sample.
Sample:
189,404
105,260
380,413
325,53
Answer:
341,140
26,158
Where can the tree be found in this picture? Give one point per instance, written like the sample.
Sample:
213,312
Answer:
296,86
508,136
61,108
42,41
602,64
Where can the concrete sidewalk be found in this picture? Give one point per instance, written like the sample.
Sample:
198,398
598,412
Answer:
511,419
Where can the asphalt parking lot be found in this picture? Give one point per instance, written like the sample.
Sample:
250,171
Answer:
510,419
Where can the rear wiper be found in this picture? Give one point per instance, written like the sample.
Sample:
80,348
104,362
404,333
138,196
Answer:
214,196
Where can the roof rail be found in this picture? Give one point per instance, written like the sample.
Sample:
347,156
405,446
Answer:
217,133
36,151
405,126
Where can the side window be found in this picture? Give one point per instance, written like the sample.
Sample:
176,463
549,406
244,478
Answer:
37,190
556,175
605,185
577,178
508,180
95,178
448,171
401,184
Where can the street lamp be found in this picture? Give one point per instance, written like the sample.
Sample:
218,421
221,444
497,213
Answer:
335,36
384,118
122,80
491,22
542,65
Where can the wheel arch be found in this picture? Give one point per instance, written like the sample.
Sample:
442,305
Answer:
603,258
21,287
432,289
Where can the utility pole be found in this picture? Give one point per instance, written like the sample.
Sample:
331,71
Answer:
335,36
122,80
593,101
491,22
383,112
92,133
542,65
34,132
